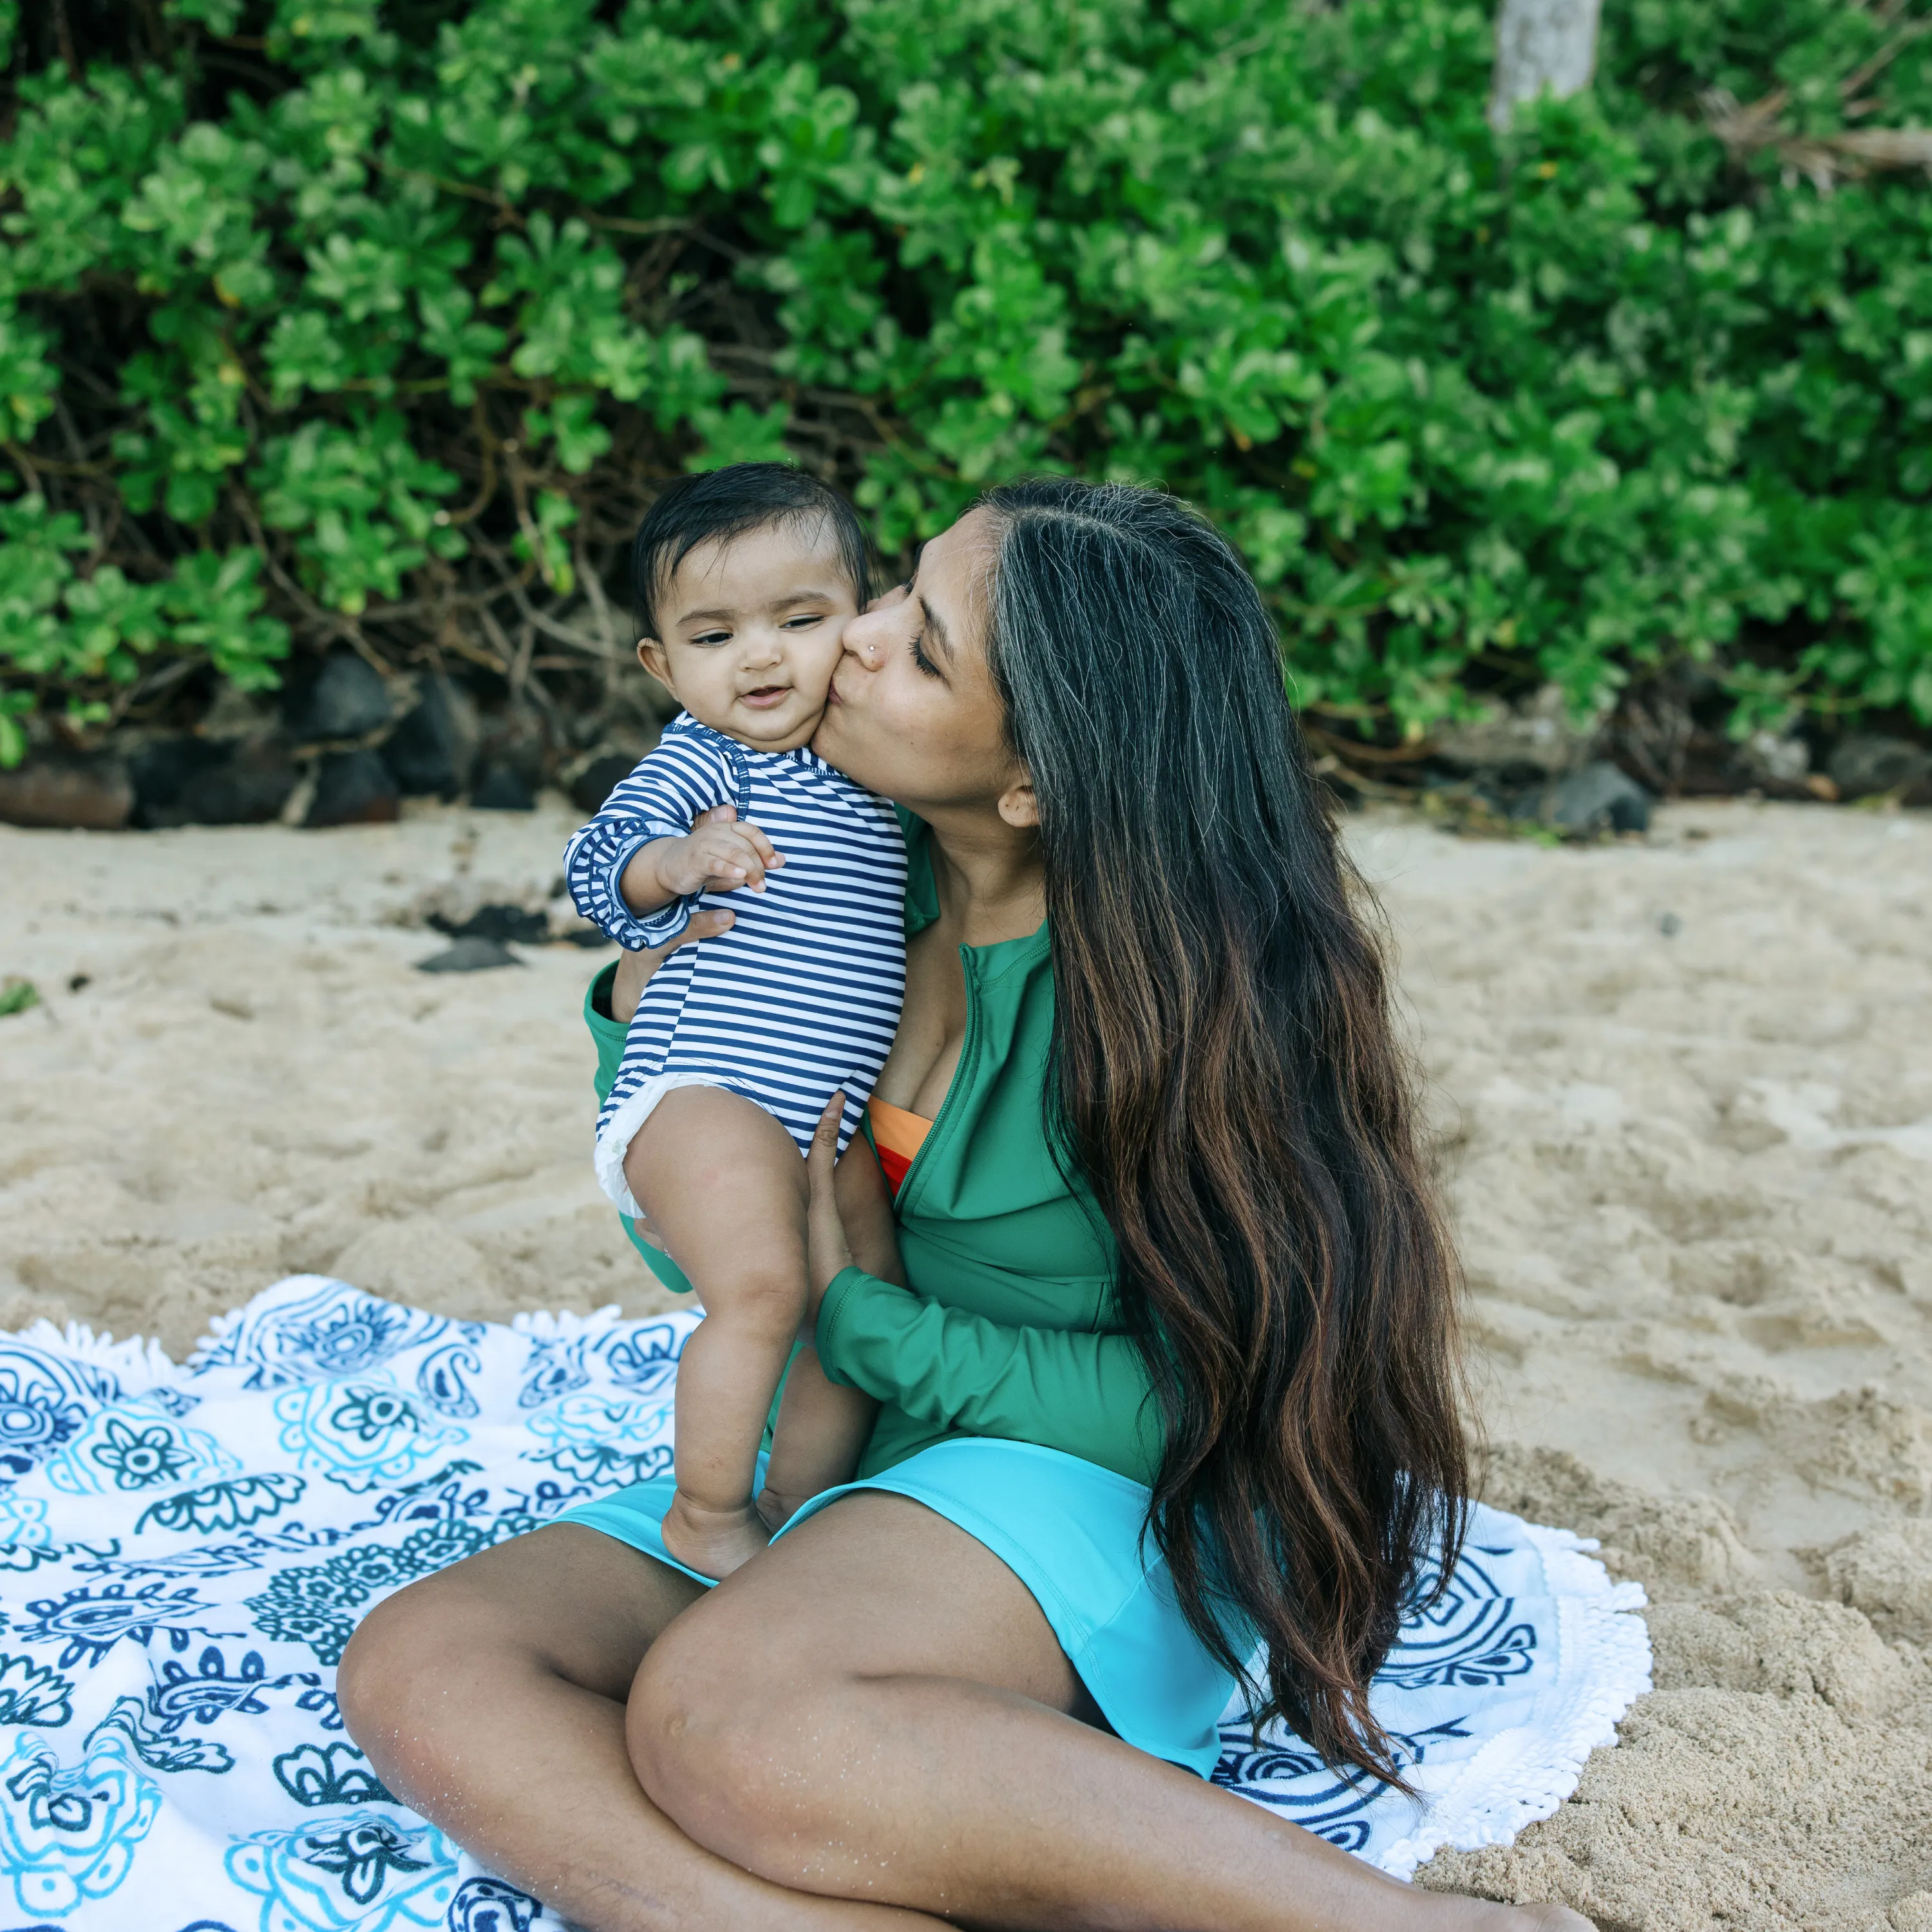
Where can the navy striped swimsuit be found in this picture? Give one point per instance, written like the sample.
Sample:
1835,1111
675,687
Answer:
802,994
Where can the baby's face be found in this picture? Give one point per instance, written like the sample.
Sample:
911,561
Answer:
751,633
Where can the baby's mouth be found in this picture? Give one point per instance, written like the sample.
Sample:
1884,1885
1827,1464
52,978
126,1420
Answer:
766,696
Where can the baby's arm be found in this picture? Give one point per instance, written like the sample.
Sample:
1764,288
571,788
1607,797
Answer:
716,855
823,1429
665,834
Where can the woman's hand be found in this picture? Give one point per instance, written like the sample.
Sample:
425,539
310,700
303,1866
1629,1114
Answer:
826,1249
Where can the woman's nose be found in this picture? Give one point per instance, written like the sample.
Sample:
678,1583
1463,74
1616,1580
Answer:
865,634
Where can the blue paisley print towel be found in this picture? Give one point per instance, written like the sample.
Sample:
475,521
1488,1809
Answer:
184,1551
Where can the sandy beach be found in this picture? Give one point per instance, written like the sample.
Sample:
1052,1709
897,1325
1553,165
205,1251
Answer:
1682,1088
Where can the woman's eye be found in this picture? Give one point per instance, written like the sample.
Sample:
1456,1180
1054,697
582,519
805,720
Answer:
919,658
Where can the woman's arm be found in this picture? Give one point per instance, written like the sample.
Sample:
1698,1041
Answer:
1066,1389
1063,1388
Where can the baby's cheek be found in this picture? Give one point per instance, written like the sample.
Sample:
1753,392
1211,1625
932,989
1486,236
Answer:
812,667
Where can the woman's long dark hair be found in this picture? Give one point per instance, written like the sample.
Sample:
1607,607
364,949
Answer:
1227,1075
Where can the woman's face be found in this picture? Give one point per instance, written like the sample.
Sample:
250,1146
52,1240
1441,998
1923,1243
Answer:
913,715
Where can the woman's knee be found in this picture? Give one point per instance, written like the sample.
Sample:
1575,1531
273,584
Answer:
714,1726
391,1661
419,1668
685,1710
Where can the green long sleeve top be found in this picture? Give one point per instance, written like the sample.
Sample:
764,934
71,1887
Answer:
1006,1329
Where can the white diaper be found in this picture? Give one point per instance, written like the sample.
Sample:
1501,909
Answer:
614,1138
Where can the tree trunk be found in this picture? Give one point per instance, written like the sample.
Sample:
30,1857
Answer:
1541,43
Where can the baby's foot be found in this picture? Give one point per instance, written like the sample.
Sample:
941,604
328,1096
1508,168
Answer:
713,1542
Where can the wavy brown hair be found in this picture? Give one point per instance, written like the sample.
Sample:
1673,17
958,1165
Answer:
1227,1075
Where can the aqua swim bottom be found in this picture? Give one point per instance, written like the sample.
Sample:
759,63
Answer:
1071,1531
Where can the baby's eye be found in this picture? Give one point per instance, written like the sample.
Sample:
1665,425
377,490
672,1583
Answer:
804,621
712,637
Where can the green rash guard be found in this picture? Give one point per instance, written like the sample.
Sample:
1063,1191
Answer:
1006,1329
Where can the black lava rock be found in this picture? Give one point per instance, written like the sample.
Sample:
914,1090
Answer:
1599,797
469,955
67,789
344,697
352,788
1868,762
593,784
431,751
502,923
250,789
502,787
189,781
163,768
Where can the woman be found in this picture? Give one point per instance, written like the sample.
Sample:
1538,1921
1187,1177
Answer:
1176,1272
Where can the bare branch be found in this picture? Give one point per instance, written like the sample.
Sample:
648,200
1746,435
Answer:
1824,160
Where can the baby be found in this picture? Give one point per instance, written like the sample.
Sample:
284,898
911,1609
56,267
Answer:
744,579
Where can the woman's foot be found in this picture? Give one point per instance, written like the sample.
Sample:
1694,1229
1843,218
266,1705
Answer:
713,1542
1462,1914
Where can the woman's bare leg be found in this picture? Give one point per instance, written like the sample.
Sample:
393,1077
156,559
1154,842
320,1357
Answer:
877,1709
489,1698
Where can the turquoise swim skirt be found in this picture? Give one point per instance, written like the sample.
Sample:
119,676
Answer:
1071,1532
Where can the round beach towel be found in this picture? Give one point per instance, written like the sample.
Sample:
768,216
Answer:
184,1550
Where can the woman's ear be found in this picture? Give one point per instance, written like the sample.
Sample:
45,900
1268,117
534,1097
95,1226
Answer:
1018,805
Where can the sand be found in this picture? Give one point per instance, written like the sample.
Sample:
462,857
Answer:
1683,1090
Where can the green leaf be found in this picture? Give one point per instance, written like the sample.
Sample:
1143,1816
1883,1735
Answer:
739,434
360,500
571,420
215,601
542,541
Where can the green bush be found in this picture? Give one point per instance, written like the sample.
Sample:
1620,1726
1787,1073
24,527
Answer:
374,321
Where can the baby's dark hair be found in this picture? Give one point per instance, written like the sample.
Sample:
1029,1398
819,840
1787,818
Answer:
721,505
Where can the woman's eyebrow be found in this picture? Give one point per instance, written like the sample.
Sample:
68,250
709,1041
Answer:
935,626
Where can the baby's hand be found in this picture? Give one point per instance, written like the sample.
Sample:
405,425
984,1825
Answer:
716,857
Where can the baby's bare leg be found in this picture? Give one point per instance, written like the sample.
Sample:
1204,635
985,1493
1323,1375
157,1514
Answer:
723,1185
